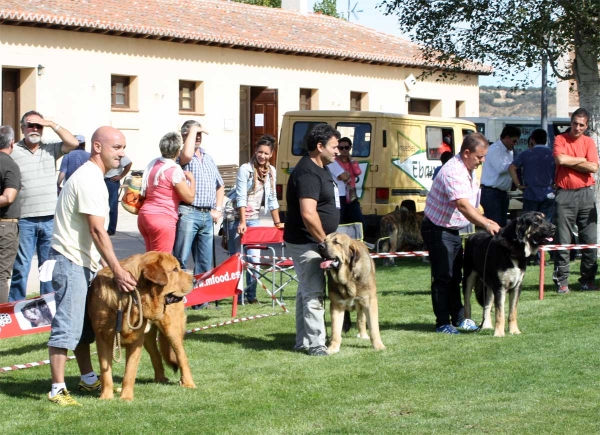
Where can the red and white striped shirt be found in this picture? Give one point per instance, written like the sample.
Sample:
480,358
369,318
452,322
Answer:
453,182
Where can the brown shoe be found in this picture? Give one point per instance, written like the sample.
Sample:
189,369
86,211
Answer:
253,302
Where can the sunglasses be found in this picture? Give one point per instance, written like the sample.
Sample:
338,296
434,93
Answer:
32,125
343,148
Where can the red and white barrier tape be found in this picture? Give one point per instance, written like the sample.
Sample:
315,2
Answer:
567,247
189,331
30,365
232,322
373,255
401,254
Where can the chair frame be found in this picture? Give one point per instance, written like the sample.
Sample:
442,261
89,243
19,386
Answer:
274,265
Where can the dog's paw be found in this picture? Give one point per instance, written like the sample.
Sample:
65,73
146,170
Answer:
515,331
363,336
487,326
498,333
187,384
378,346
161,380
333,349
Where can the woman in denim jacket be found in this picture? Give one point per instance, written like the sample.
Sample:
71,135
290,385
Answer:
255,186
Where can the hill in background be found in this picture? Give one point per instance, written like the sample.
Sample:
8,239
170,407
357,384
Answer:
504,101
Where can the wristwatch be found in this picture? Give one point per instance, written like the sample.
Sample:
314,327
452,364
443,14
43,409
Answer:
219,209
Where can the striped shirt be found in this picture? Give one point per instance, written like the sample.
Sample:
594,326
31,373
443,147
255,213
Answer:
453,182
207,177
38,178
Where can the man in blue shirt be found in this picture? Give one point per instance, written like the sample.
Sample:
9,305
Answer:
72,161
537,168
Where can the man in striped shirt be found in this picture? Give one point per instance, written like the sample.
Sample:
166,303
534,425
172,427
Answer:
37,161
195,225
451,206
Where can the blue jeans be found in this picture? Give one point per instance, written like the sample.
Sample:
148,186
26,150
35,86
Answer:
195,235
70,282
35,234
233,243
495,204
113,202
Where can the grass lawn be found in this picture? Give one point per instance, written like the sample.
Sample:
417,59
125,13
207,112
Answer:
249,381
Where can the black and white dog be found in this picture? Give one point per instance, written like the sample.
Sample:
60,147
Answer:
495,266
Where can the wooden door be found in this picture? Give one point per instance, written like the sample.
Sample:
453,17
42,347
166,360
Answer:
10,100
264,116
245,130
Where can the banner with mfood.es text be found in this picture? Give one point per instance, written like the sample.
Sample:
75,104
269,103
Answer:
35,315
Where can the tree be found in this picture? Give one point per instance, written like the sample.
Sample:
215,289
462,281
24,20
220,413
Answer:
327,7
511,36
268,3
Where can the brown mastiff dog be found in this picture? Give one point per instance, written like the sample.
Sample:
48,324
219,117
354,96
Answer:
351,283
161,285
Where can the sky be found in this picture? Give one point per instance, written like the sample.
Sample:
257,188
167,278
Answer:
374,18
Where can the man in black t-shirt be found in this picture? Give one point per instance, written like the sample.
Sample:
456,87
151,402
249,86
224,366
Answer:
10,209
313,212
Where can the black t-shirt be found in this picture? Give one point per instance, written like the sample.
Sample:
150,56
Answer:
308,180
10,177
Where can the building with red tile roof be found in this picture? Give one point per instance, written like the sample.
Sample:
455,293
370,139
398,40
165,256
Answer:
146,66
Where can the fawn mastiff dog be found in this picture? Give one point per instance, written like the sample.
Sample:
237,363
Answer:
495,266
351,284
161,285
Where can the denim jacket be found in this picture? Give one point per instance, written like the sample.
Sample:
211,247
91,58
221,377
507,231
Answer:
245,178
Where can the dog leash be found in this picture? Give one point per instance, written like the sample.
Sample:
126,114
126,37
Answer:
133,297
485,287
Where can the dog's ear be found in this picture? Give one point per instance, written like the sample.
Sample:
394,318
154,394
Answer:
354,255
522,225
155,272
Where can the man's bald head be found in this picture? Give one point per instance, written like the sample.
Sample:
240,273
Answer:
108,147
106,135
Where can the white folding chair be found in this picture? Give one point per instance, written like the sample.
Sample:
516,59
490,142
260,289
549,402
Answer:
355,231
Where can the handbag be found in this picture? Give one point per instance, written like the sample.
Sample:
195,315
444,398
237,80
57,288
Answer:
230,209
224,239
132,199
351,195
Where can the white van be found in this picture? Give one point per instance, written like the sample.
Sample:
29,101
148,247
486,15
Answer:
396,153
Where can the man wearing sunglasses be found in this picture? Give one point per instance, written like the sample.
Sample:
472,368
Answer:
37,161
345,170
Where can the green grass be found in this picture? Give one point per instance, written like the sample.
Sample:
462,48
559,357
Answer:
249,381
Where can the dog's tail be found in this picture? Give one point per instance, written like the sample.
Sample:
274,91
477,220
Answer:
347,322
167,351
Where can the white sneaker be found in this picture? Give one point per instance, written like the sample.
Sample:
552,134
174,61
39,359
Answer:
468,325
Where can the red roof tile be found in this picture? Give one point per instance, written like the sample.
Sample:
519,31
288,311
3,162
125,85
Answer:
222,23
